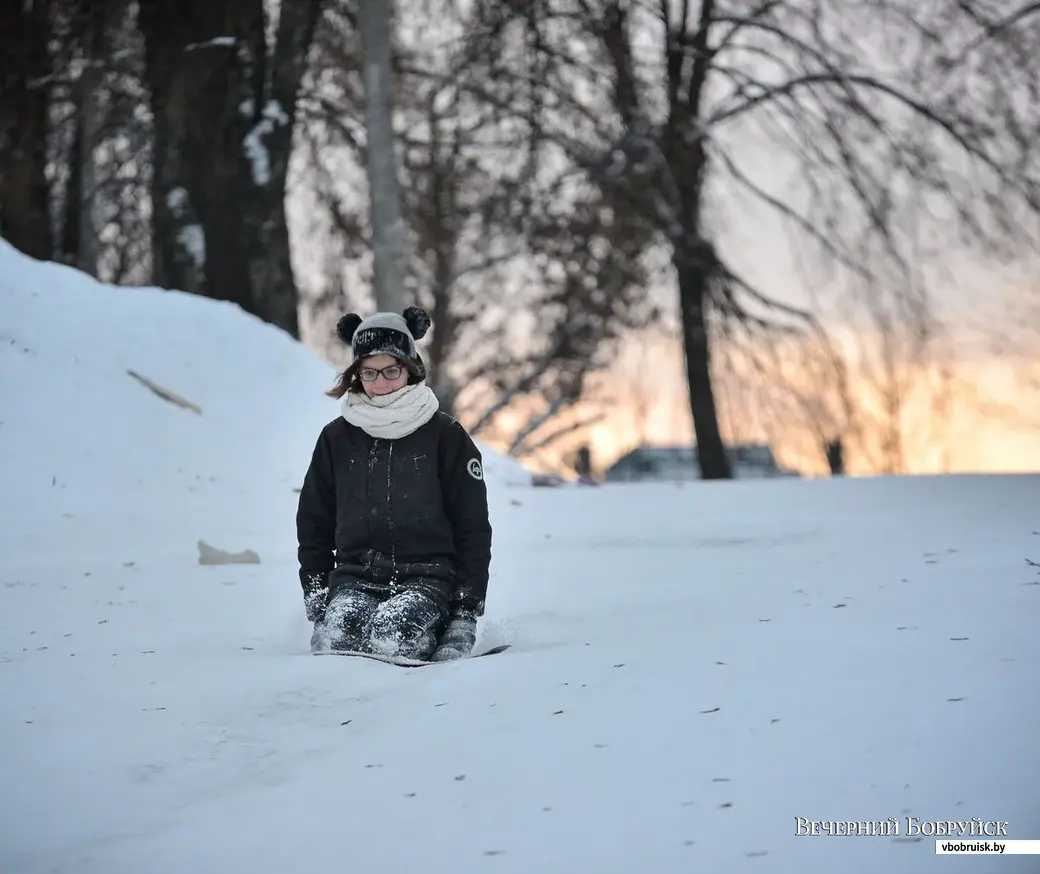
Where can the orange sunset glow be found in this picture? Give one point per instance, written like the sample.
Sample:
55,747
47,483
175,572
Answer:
976,416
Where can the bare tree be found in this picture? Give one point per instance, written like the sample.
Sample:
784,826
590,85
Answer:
99,140
90,119
894,120
88,147
530,272
25,81
576,255
891,413
223,102
95,65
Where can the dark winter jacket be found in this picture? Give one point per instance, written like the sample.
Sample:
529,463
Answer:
386,515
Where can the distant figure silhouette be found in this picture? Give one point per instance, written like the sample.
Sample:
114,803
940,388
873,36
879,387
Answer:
835,456
583,466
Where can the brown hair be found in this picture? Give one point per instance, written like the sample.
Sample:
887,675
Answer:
349,381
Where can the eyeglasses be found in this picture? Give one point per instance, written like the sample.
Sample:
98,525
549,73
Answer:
368,374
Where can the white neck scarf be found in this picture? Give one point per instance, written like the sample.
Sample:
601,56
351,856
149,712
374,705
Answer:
390,416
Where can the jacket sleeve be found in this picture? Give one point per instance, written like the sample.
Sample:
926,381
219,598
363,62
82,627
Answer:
316,529
466,505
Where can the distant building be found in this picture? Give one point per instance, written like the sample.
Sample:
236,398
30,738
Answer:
679,463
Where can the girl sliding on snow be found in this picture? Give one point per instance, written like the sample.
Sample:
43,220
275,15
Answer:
393,527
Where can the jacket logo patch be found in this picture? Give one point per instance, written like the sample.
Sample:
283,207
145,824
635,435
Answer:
474,469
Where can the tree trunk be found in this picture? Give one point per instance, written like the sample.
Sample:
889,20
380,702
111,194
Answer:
88,131
68,247
693,256
440,237
25,70
389,235
443,330
694,280
224,109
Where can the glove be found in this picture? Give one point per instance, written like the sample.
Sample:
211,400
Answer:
319,642
316,596
458,638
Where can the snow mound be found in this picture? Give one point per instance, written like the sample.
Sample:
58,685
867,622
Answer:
140,410
504,470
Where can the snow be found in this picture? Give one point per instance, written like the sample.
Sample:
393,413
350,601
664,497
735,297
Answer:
692,668
256,150
193,240
224,41
191,236
504,470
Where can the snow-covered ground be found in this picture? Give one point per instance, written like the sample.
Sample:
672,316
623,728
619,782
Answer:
692,668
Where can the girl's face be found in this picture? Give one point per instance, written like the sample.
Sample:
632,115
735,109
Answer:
382,375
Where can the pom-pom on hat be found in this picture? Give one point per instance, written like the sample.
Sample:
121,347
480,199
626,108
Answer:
385,333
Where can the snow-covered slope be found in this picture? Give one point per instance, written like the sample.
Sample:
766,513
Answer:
692,668
107,460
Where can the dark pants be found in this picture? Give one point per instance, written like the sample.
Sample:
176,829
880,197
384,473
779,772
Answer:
406,624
